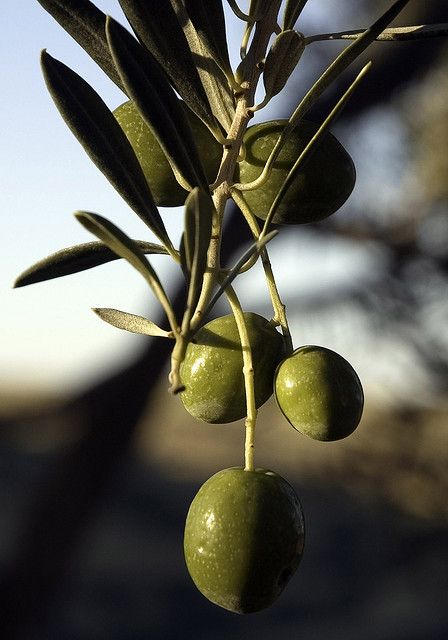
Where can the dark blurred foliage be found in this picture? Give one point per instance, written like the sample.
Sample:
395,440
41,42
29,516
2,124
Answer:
369,572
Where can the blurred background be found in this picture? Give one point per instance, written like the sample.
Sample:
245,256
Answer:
98,464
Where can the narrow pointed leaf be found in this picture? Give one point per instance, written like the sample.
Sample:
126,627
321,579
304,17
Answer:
126,248
293,9
213,79
131,322
91,121
281,61
86,24
335,69
156,101
156,25
207,17
312,144
75,259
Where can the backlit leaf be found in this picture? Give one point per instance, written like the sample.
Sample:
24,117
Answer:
75,259
130,322
96,128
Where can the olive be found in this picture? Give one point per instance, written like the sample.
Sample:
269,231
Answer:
319,393
244,538
212,371
165,189
320,187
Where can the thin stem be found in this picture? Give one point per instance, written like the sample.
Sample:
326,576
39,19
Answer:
277,304
248,371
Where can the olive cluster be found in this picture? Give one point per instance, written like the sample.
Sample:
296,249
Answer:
244,532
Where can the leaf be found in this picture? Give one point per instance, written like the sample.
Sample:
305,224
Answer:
199,210
126,248
214,81
312,144
156,25
293,9
86,24
130,322
208,19
103,139
75,259
281,61
338,66
157,103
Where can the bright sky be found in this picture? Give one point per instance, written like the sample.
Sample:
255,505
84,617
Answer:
49,338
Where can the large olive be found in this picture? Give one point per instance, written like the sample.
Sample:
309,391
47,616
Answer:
319,393
165,189
212,370
244,538
320,187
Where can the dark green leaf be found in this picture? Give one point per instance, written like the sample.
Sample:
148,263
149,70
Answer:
98,131
75,259
157,103
156,25
214,81
281,61
207,17
293,9
131,322
86,24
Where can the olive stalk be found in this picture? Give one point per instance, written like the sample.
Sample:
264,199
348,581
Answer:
279,308
248,371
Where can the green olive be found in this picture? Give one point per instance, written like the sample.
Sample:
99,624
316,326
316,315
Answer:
320,187
212,370
244,538
319,393
165,189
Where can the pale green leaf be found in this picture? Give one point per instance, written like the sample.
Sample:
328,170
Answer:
130,322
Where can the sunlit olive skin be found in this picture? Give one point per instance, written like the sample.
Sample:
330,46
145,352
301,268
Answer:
165,189
244,538
319,393
212,370
321,186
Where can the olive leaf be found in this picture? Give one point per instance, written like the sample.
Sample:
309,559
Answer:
207,17
156,101
126,248
199,210
94,125
157,27
214,80
77,258
130,322
86,24
333,71
281,61
312,144
293,9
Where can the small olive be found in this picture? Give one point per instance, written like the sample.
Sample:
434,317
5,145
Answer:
320,187
319,393
212,370
244,538
165,189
